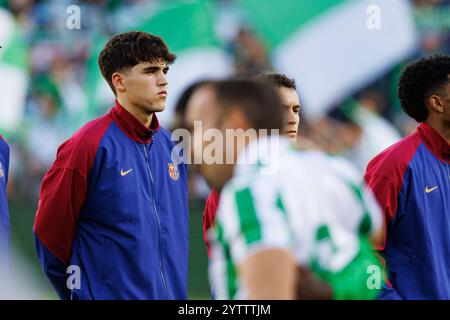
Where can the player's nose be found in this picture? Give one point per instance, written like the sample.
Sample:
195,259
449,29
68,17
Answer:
291,118
162,80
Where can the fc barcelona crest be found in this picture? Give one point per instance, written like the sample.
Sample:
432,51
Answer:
173,171
2,173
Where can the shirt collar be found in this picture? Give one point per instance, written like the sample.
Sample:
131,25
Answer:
434,141
132,127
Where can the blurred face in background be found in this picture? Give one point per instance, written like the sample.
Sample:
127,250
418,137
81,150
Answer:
291,109
203,107
143,87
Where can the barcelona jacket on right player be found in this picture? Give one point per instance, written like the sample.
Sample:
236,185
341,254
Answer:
411,180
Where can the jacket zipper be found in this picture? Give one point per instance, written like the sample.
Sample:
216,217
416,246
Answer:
448,170
157,218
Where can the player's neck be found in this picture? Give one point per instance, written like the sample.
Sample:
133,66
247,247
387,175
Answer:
441,127
143,116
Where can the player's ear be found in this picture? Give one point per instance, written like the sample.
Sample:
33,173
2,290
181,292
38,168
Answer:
118,81
436,104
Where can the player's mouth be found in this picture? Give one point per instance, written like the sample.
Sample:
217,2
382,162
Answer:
291,133
163,93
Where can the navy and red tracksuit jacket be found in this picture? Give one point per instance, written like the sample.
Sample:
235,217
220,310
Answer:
411,180
114,204
4,211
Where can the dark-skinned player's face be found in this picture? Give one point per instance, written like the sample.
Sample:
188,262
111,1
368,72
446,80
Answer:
439,104
445,100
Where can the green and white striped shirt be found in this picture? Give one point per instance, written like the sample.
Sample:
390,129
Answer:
304,201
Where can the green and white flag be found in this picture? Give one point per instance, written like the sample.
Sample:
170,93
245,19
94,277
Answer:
333,47
188,29
13,73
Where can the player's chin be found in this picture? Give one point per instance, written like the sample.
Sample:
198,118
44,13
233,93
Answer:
157,107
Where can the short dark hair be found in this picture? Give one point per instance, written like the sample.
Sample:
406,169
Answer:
259,101
125,50
419,81
278,79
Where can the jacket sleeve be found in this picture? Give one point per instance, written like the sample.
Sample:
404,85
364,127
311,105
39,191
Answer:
62,198
7,156
4,217
386,193
54,269
62,195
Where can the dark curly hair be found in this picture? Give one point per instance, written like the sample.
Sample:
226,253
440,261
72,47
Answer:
128,49
419,81
277,79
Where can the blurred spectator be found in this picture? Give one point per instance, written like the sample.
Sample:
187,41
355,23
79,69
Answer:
358,132
250,56
377,135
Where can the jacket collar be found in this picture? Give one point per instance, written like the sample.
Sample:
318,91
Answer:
132,127
434,141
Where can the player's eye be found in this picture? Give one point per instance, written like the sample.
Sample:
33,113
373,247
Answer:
150,70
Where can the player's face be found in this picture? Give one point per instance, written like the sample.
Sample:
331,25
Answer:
446,103
145,86
203,109
291,109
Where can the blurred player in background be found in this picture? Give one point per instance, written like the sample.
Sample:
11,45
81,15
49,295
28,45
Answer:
4,217
287,90
411,180
281,210
114,204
